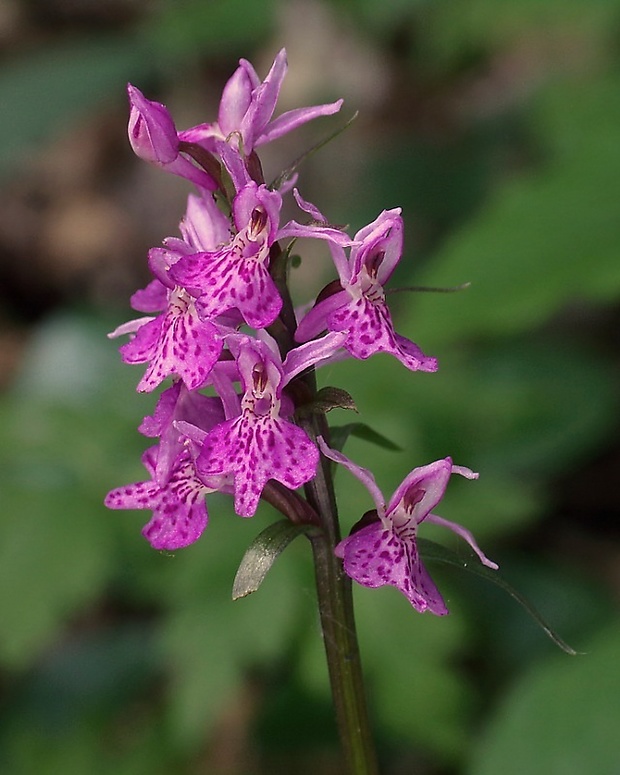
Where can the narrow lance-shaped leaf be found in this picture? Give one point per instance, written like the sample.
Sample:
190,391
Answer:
329,398
432,551
262,553
340,434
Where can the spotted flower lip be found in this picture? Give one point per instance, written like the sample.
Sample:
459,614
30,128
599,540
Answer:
360,309
385,551
235,275
179,507
260,443
154,138
176,342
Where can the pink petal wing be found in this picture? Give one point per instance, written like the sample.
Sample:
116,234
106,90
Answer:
179,508
264,101
316,320
144,344
293,119
175,343
235,101
153,298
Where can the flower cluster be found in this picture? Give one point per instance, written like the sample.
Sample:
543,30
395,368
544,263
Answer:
219,326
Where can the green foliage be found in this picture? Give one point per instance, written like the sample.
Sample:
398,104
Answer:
340,433
430,551
561,718
429,707
208,642
261,555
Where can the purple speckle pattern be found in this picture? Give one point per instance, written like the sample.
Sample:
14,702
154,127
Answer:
377,555
179,508
255,449
176,342
370,330
232,278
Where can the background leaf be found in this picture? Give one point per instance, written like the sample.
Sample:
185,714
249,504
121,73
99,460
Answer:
541,726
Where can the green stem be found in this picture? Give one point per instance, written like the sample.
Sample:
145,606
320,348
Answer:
334,593
335,601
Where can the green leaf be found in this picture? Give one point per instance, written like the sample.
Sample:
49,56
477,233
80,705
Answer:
329,398
261,555
434,552
562,718
340,434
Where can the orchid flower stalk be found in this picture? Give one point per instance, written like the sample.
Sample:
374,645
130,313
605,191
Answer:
240,412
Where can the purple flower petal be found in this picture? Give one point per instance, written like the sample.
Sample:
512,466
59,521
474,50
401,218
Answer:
179,508
151,130
236,276
153,298
235,101
178,405
153,137
254,450
370,330
225,280
375,556
385,552
245,112
295,118
380,249
177,342
204,227
315,321
264,99
311,354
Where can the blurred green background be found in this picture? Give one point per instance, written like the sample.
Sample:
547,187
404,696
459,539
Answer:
496,126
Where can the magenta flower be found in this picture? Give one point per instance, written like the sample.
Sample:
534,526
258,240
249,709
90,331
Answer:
236,275
153,137
246,110
178,341
179,507
359,308
385,551
260,444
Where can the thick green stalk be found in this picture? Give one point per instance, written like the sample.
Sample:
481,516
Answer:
339,633
334,593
